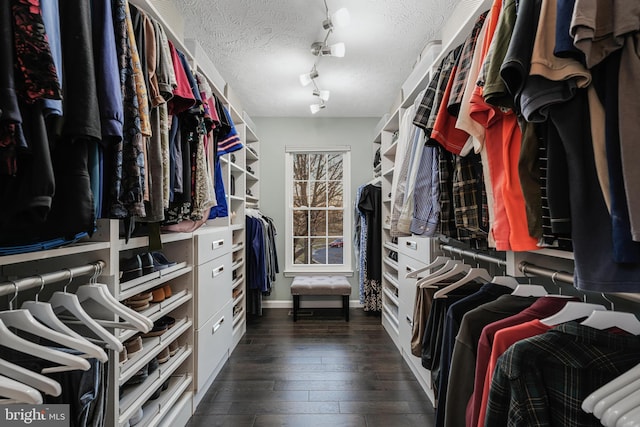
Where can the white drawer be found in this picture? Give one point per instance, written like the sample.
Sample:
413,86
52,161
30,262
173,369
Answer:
211,243
213,341
214,287
416,247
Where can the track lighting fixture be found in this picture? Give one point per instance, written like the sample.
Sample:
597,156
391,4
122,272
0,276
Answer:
317,107
307,78
322,94
321,49
340,18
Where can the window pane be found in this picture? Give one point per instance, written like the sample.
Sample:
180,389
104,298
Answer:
318,194
335,223
317,166
334,166
336,252
301,223
334,194
300,251
318,223
319,251
300,166
300,193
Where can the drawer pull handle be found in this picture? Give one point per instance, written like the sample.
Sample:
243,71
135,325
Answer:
411,244
217,271
409,321
217,326
217,244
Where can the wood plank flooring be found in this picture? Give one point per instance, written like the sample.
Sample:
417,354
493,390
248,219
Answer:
318,372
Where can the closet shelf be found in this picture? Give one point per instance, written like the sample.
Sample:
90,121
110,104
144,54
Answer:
141,242
235,167
238,322
236,199
149,281
391,246
391,263
236,265
250,154
237,247
76,248
134,397
151,347
389,172
391,296
252,199
391,151
392,280
391,320
156,311
238,299
252,177
236,227
237,282
556,253
237,317
156,410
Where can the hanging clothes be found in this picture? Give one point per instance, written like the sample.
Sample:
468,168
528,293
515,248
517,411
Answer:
370,204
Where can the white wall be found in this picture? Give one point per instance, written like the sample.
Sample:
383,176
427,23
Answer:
275,133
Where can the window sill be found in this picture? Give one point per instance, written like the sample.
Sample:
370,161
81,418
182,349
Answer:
293,273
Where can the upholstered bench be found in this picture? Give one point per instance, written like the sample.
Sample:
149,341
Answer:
320,285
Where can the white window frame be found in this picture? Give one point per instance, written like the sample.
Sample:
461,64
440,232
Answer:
345,268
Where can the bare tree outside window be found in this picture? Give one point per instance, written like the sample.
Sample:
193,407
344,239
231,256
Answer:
318,208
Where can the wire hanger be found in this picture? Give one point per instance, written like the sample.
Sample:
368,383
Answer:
43,312
65,302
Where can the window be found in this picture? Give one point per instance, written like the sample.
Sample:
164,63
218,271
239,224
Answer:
318,211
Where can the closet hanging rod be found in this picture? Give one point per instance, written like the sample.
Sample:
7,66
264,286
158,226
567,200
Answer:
477,256
9,287
555,275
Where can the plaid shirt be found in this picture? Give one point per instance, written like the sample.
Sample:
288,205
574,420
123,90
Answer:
542,381
447,224
464,64
428,108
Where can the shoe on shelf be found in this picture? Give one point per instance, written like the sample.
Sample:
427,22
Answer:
160,261
167,291
147,263
123,357
133,345
139,376
136,418
130,268
157,330
139,302
158,295
164,355
153,365
174,346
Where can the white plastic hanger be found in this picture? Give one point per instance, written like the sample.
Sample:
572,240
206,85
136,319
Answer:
450,269
630,419
98,302
618,409
33,379
613,319
572,310
609,400
622,380
440,260
472,274
508,281
43,312
16,392
62,302
529,291
65,360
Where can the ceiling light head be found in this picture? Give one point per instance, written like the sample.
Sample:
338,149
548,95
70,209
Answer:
316,107
340,18
306,78
321,49
322,94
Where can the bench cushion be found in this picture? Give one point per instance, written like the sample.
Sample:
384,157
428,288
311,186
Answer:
320,285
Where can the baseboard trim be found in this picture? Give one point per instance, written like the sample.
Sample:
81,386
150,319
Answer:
309,304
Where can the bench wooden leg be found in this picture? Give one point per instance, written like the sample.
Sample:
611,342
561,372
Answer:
296,306
345,306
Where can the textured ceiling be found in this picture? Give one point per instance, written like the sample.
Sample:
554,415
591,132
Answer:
260,47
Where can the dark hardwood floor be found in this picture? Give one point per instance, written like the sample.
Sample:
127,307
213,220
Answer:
319,371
